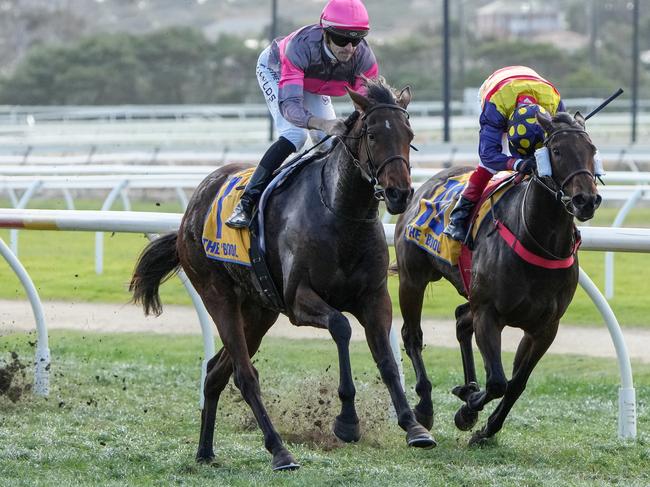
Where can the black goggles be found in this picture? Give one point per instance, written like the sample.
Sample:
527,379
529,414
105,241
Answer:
343,41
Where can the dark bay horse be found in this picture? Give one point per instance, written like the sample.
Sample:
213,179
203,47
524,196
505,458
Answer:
327,254
505,289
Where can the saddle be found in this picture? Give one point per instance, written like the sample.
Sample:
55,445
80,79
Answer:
247,246
425,230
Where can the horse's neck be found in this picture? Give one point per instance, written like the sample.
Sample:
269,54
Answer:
346,192
546,219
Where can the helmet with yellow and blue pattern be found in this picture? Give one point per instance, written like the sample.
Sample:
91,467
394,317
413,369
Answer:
525,135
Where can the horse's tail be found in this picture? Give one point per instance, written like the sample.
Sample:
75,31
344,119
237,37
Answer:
393,269
158,262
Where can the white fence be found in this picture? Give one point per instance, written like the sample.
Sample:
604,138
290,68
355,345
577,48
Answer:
594,238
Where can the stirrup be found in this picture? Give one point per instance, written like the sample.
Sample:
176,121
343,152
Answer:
239,218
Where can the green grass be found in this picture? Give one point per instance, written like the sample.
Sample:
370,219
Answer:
62,267
123,410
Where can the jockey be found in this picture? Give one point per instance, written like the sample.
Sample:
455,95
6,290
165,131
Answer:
510,99
298,74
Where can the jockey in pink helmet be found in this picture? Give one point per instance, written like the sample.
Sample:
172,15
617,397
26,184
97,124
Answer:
298,74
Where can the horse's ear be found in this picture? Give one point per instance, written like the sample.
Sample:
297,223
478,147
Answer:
580,119
404,97
361,103
544,119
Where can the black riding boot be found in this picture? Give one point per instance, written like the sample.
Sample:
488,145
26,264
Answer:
243,212
459,219
272,159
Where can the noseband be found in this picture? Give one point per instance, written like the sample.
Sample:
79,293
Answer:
372,176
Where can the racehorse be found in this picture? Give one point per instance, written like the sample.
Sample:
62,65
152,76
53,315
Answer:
505,289
327,254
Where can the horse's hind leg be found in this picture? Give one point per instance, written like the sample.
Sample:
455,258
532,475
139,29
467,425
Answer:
465,419
219,370
224,307
529,352
411,297
375,316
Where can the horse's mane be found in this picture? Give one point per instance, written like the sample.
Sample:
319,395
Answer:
379,91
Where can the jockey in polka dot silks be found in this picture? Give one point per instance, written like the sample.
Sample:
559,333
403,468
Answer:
510,99
298,74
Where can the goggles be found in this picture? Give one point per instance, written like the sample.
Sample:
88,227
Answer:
342,41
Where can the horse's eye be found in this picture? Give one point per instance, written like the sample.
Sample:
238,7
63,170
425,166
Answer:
371,137
556,152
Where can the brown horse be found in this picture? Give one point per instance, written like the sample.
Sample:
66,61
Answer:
327,253
505,289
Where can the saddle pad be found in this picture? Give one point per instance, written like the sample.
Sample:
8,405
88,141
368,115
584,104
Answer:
425,230
221,242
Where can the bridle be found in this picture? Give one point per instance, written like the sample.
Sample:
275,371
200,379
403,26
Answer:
372,176
557,192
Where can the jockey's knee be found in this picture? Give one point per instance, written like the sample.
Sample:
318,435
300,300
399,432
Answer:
296,135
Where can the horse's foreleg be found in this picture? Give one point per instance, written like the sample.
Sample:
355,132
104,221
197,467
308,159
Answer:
375,317
309,308
529,352
411,297
488,340
465,418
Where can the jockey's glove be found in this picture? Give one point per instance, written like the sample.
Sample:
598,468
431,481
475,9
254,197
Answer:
525,166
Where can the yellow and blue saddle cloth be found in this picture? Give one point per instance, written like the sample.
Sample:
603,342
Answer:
221,242
425,230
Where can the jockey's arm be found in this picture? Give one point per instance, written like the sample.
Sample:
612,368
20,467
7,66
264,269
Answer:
490,146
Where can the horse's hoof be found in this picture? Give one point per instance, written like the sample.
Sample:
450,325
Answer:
284,461
425,420
418,437
204,455
348,432
463,392
479,438
465,418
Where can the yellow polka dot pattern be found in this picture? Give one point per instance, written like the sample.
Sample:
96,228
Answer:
525,135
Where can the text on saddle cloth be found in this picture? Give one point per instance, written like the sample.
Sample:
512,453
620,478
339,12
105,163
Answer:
221,242
425,230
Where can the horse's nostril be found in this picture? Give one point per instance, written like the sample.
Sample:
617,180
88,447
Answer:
599,200
579,200
392,193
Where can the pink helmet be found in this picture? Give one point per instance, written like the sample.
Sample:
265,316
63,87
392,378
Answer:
349,16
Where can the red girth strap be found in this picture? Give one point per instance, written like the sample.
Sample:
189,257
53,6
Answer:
531,258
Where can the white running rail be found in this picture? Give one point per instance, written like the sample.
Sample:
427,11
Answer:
593,238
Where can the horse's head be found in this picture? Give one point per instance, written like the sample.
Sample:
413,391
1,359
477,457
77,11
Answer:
385,136
571,154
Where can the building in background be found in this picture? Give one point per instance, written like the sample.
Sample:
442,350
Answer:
507,19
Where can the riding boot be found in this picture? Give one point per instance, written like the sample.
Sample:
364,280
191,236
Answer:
459,219
276,154
243,212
